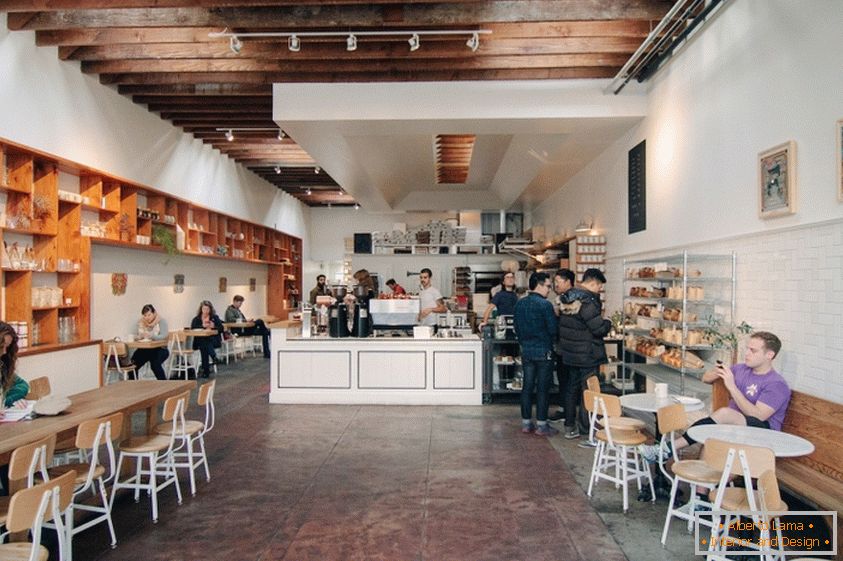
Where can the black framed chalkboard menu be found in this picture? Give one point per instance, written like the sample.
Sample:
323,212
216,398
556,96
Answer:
637,197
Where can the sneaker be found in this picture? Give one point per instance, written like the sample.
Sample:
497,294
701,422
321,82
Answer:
651,452
559,415
587,444
572,433
527,428
546,430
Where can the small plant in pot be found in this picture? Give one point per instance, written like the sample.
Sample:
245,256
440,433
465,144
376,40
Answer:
725,337
166,238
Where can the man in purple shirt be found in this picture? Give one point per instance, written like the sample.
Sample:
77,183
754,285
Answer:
759,394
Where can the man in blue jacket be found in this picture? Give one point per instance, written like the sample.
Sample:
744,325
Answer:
581,331
535,326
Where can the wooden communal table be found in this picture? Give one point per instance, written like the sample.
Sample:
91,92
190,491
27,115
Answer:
127,397
238,324
199,332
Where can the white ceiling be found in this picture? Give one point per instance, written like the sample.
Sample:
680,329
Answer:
378,140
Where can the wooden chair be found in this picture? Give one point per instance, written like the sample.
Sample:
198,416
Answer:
737,460
117,361
29,510
593,384
39,388
24,463
92,476
194,431
673,419
182,357
616,457
157,450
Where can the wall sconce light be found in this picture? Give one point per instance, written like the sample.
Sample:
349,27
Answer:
294,43
414,42
351,43
585,225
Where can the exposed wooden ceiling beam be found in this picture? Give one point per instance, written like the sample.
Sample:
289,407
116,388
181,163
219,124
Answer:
149,36
339,16
55,5
366,50
386,76
409,64
193,89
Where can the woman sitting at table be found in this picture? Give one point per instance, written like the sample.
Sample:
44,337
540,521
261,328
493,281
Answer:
13,388
151,327
207,318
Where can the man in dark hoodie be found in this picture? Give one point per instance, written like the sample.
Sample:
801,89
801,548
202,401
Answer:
581,331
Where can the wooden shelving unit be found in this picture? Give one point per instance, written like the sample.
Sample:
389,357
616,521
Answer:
118,213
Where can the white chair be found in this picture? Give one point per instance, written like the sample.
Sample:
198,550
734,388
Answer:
91,474
228,350
32,508
116,361
157,450
616,457
257,344
696,473
194,431
749,462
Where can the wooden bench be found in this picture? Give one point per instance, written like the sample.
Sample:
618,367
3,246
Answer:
818,478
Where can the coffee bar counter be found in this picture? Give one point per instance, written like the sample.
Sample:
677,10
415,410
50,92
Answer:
375,370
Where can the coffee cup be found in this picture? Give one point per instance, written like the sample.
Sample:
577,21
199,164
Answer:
661,390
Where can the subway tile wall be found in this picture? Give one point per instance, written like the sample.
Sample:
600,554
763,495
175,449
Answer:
789,282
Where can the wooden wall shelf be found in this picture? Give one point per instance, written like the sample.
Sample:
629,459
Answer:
109,207
41,349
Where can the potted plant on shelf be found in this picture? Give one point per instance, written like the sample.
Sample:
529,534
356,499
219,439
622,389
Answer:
166,238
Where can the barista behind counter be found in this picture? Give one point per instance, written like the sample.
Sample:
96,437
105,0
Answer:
431,301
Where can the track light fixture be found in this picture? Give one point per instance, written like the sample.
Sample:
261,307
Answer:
316,170
308,191
235,44
281,134
473,42
229,135
356,206
294,43
414,42
278,170
351,37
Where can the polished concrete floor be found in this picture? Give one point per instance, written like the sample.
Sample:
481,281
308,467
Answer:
382,483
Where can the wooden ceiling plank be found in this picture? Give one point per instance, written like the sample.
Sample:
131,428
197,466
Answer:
201,89
56,5
309,16
402,65
254,78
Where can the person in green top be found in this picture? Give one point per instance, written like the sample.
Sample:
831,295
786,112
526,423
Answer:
13,387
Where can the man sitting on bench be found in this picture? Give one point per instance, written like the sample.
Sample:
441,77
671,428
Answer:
759,394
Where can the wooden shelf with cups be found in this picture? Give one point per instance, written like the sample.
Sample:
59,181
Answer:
53,209
667,304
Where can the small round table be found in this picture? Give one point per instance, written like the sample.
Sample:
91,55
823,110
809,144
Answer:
650,403
783,444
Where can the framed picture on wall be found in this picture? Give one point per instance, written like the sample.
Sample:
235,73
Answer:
838,160
777,181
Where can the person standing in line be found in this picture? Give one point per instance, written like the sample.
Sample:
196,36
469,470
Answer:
563,281
535,327
581,332
430,299
233,314
504,300
321,289
152,327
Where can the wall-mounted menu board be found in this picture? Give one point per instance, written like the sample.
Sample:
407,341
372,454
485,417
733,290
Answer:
637,197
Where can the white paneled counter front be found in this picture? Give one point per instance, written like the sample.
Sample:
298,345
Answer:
397,370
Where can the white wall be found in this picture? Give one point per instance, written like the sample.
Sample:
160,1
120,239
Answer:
762,73
51,105
150,281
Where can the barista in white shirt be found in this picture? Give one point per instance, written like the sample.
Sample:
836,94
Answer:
430,299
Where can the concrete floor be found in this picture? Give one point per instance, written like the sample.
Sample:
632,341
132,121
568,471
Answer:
388,482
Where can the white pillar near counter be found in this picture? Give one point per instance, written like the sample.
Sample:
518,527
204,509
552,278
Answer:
375,370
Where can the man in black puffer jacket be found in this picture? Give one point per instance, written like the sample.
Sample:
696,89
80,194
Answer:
581,331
